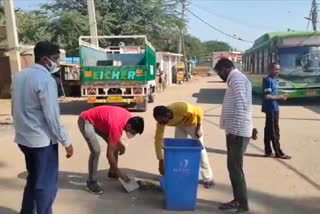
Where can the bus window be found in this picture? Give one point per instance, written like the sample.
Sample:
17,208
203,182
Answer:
262,61
266,60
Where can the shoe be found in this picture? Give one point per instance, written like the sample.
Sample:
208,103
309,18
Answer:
94,188
268,155
208,184
232,205
283,156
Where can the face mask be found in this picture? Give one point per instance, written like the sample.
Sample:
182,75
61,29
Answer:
53,68
129,135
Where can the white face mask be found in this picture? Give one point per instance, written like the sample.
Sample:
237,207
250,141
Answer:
130,135
53,68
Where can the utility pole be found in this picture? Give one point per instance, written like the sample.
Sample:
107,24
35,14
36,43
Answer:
93,22
12,37
313,17
182,47
183,4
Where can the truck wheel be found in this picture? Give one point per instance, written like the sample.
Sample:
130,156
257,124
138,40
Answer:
151,95
151,98
142,106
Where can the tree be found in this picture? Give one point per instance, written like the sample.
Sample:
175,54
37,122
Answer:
33,27
213,46
67,28
63,21
2,17
118,17
194,47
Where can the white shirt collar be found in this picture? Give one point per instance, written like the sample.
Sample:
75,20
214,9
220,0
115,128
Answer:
38,66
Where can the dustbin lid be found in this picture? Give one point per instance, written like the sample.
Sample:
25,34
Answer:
181,144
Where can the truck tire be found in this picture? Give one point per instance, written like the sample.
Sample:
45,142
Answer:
151,95
142,107
151,98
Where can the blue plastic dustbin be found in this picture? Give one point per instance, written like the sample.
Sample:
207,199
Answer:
180,183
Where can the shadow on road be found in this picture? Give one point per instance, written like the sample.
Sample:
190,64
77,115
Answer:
78,106
77,181
74,107
303,176
286,164
215,96
116,200
210,95
263,117
271,203
148,196
5,210
224,152
2,164
216,81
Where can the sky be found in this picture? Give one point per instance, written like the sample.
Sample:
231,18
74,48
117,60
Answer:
247,19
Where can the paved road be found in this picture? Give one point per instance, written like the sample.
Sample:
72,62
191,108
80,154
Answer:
275,186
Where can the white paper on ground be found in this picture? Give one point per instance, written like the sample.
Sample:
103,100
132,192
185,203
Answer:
131,186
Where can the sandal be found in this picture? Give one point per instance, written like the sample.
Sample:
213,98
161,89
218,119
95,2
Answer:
287,157
268,155
229,205
208,184
112,175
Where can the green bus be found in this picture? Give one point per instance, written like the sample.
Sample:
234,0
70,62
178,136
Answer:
298,54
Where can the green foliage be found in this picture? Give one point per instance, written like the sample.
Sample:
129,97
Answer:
67,28
116,17
212,46
32,27
196,48
63,21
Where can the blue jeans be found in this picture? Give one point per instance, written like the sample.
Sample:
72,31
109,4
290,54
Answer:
41,188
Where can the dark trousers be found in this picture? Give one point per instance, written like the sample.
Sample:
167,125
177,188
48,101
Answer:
41,188
236,151
272,134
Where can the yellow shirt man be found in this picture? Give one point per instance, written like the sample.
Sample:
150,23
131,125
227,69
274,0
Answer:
187,119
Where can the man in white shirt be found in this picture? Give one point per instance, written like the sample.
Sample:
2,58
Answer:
38,129
236,120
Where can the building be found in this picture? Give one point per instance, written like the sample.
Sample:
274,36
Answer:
166,63
233,55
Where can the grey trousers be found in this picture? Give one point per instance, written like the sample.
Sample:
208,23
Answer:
89,132
236,152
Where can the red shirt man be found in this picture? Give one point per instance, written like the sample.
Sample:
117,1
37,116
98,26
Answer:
109,122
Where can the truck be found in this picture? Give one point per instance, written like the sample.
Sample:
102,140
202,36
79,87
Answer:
116,73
